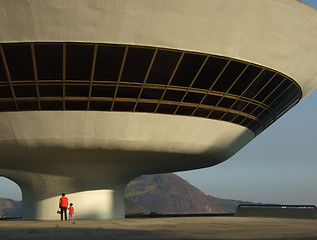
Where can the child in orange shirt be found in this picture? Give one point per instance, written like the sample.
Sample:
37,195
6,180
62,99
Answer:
71,212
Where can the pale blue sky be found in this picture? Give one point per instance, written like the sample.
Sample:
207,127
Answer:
278,166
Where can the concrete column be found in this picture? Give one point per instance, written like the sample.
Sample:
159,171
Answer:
41,194
94,204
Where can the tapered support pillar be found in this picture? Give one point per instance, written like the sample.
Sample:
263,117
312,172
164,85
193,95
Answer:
94,204
41,194
91,200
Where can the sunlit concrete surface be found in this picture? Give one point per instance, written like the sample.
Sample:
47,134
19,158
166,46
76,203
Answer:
163,228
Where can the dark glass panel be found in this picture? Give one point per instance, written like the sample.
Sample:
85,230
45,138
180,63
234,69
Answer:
75,105
167,109
229,76
238,119
19,60
108,63
3,75
123,106
257,111
172,95
269,87
257,85
7,106
201,112
287,101
146,107
245,80
184,110
128,92
239,105
51,105
228,117
249,108
51,90
226,102
49,61
277,92
5,92
136,64
297,97
246,122
290,103
255,126
187,69
216,114
284,98
79,61
266,117
211,100
77,90
210,72
100,106
152,93
28,105
192,97
25,91
103,91
163,66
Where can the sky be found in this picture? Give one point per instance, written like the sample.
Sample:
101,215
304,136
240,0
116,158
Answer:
278,166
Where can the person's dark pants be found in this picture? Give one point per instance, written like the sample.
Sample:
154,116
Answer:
63,210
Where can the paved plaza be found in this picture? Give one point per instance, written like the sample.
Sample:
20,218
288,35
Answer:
163,228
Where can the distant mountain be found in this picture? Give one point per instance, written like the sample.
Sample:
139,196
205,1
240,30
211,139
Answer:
160,193
10,208
170,194
131,207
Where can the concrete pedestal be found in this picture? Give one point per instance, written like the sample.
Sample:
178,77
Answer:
95,204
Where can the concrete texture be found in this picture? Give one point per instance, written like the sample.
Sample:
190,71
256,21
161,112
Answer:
279,34
163,228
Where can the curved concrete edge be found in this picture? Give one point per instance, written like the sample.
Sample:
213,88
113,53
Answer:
281,36
121,131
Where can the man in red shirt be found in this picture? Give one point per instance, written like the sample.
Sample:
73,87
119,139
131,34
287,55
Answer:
63,204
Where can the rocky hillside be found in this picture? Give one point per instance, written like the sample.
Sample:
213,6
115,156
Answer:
10,208
170,194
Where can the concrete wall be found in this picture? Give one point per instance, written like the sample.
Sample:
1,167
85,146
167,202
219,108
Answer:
279,34
52,136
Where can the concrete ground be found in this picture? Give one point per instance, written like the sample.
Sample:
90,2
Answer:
163,228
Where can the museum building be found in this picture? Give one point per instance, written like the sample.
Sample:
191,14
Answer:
96,93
